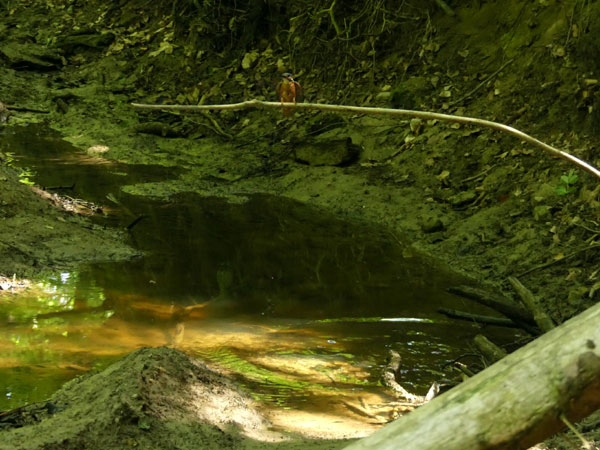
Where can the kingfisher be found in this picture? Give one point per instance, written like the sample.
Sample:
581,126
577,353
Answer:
289,90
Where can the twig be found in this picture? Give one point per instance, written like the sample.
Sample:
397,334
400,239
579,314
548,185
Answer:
384,111
585,444
329,10
480,174
480,85
478,318
591,230
135,222
490,350
499,303
555,261
217,127
389,379
542,319
60,188
442,4
464,369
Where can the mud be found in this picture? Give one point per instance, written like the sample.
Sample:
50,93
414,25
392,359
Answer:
37,238
152,398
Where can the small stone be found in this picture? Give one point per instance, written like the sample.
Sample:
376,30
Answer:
327,152
462,198
383,96
576,295
542,212
432,225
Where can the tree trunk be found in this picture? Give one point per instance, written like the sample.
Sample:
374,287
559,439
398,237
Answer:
514,403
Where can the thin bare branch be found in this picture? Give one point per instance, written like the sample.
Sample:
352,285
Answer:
388,112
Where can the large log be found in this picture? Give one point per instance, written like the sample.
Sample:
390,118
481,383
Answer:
514,403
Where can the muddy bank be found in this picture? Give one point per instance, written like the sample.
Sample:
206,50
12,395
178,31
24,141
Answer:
36,237
153,398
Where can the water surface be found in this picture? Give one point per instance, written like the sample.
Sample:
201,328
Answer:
298,306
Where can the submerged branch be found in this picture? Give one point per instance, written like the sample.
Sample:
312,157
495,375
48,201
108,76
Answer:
515,403
384,111
478,318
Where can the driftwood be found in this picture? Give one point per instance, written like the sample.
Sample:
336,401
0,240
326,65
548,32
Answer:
490,350
542,319
513,404
478,318
383,111
389,379
504,306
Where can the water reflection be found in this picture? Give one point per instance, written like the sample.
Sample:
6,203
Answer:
77,322
301,308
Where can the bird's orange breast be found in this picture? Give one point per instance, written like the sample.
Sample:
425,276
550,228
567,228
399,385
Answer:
289,92
285,91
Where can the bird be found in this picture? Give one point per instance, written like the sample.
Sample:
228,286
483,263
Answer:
289,90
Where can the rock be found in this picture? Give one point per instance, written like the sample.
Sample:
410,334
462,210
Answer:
411,93
432,225
70,44
462,198
338,152
542,212
30,56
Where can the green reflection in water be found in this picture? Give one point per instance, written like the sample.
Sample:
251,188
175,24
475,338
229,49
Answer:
38,334
334,295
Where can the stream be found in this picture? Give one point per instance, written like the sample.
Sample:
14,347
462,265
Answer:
297,306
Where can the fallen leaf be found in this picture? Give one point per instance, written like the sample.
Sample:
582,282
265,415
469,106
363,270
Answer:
443,175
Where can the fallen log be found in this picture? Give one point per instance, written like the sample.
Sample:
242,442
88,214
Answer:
513,404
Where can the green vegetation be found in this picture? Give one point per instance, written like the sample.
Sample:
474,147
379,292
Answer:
567,183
